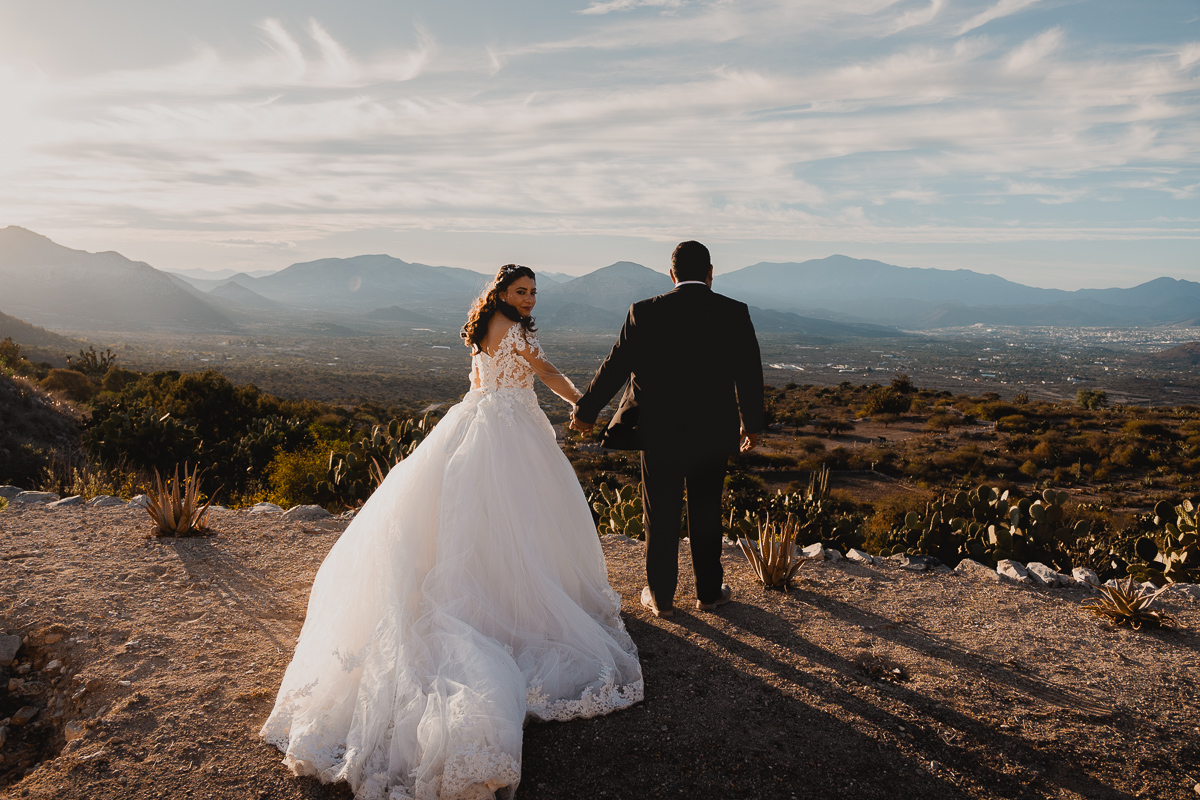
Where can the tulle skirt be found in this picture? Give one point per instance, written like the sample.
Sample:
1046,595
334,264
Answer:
468,595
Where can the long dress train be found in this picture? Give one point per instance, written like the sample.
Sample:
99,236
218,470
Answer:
468,595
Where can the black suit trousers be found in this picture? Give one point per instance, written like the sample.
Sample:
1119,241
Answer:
665,474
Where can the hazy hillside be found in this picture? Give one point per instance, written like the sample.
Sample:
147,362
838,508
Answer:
29,336
233,293
368,282
613,288
60,288
403,315
923,298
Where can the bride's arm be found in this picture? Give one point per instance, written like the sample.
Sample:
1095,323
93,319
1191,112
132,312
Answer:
559,384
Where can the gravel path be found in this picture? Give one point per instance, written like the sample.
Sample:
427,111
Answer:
864,682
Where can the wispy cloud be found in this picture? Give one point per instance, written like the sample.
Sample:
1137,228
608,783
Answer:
870,120
609,6
1004,8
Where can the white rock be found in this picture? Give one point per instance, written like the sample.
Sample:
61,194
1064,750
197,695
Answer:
74,500
859,557
140,501
620,538
1045,574
105,501
347,514
266,508
974,569
1085,575
9,492
305,512
1013,570
35,497
53,665
814,551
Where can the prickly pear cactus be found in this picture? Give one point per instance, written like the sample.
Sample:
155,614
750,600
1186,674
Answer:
1175,557
353,475
619,510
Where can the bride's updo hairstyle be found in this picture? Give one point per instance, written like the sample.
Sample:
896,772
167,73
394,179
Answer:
488,303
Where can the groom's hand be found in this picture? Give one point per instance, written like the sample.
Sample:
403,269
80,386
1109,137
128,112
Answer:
749,441
579,425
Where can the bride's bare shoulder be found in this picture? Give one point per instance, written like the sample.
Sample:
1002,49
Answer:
497,330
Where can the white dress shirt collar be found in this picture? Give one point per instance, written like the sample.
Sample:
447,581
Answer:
685,283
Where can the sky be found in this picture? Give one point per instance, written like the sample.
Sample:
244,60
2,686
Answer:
1052,142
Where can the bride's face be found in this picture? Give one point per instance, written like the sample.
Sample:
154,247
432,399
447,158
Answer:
522,295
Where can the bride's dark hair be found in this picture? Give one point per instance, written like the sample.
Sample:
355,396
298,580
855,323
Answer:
488,303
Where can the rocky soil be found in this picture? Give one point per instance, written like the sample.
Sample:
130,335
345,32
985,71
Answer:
145,667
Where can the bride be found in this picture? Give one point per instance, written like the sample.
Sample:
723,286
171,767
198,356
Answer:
467,596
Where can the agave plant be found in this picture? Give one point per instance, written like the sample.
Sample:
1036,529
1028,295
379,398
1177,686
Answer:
774,558
1129,604
175,507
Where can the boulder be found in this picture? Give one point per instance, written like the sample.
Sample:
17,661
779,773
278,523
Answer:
9,492
305,512
105,501
265,508
1085,576
74,729
833,555
140,501
1046,575
859,557
24,715
814,551
35,497
66,502
9,645
974,569
1013,570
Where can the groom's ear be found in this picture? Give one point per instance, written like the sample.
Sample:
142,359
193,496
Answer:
673,278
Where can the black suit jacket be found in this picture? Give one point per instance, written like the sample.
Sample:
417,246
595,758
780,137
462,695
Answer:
692,362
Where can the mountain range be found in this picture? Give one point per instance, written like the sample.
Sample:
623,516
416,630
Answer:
823,299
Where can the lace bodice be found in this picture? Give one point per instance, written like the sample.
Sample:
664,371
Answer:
508,368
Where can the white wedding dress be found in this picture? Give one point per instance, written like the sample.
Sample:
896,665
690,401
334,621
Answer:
467,596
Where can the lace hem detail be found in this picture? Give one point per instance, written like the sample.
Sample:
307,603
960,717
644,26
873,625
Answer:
610,697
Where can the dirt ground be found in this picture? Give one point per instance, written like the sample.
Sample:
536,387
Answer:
864,682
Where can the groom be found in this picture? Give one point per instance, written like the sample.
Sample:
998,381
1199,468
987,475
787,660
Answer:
691,359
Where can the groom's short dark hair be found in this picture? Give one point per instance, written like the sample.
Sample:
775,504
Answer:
691,261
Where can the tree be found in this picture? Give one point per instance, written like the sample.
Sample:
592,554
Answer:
887,401
903,384
1091,399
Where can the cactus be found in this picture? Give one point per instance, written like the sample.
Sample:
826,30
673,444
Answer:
815,520
986,526
1175,558
353,475
619,510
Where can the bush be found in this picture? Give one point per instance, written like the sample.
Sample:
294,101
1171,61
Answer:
74,385
1091,399
1146,429
887,401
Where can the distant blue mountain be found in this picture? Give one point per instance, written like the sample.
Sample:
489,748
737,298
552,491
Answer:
873,291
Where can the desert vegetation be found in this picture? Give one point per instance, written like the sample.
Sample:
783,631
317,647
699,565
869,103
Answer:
884,468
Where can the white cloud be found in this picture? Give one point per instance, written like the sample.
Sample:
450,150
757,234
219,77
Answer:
1004,8
609,6
735,132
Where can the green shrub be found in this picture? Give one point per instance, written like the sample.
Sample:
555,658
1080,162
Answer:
74,385
887,401
1091,399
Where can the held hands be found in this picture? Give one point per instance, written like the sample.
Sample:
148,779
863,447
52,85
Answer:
749,441
579,425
